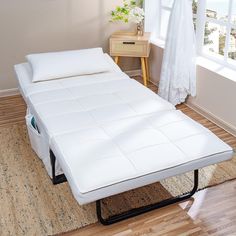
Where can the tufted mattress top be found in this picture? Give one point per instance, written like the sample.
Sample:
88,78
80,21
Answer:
111,134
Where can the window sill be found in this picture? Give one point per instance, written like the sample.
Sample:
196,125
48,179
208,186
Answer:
206,63
158,42
217,68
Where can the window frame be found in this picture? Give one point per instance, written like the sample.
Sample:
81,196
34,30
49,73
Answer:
201,20
162,7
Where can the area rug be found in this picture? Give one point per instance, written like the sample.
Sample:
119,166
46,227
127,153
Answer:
31,205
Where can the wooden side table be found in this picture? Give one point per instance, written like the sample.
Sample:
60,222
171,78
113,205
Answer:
125,44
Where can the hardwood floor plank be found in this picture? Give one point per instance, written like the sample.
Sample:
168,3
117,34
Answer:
12,110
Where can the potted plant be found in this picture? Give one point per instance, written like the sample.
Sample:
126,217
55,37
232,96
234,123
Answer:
131,11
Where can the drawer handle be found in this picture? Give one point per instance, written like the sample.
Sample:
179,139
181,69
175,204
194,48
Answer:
129,43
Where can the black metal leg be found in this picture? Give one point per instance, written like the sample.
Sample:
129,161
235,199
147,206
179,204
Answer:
141,210
56,179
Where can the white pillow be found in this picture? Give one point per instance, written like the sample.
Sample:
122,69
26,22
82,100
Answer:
55,65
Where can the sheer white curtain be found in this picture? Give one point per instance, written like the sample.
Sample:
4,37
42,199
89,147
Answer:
178,74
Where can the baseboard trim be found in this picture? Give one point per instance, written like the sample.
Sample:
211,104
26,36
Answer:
154,83
133,73
213,118
9,92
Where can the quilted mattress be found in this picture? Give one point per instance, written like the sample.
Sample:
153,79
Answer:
110,134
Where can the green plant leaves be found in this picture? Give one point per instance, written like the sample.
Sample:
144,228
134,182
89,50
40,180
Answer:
122,13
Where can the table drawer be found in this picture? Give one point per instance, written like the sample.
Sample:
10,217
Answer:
128,48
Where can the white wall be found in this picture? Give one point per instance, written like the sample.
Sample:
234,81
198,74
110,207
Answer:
28,26
216,95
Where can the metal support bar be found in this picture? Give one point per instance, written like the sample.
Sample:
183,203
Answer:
141,210
56,179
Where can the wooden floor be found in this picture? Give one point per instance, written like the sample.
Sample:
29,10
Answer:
12,109
211,212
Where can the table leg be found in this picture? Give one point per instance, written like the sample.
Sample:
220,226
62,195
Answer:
117,60
144,71
147,68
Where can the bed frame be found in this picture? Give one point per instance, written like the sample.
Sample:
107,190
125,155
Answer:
58,179
123,85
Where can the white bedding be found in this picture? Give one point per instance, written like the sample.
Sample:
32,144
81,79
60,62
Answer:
24,77
64,64
110,134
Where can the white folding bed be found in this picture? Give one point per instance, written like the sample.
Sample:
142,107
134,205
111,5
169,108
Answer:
105,133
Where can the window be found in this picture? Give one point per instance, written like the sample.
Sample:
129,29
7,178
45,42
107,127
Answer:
195,7
215,25
165,10
219,33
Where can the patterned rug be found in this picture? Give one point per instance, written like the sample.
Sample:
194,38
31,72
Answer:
31,205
